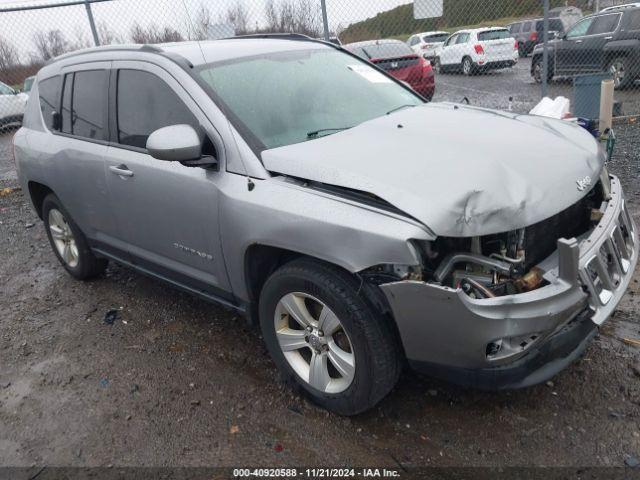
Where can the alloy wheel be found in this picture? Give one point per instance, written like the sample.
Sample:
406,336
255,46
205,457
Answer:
314,342
618,72
466,66
63,238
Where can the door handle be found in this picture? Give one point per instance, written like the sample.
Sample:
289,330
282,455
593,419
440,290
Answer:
121,170
578,41
608,38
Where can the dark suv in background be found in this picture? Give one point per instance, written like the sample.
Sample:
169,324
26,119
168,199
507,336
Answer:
529,33
606,41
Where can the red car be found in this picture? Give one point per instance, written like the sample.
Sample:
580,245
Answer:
399,61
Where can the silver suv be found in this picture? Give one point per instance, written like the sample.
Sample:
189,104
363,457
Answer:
360,226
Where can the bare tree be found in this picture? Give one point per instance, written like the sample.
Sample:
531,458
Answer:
106,36
8,55
81,40
154,34
237,16
291,16
50,44
201,24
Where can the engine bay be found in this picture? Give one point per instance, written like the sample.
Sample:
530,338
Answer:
499,264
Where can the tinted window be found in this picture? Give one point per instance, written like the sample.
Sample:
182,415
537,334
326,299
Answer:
493,35
145,104
634,20
604,24
515,28
435,38
387,50
49,94
555,25
88,102
580,28
526,27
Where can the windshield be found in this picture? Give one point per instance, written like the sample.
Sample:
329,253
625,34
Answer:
5,89
493,35
291,97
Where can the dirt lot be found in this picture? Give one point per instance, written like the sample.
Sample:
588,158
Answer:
176,381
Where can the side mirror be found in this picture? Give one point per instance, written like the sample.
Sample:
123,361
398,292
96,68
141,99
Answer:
179,143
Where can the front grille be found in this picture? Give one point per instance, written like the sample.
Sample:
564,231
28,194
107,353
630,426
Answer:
603,272
397,63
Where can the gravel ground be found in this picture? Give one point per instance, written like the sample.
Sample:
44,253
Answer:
176,381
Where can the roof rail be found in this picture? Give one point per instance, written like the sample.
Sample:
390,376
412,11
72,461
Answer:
620,7
110,48
279,36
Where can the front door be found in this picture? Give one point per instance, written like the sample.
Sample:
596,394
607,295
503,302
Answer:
570,52
168,213
600,33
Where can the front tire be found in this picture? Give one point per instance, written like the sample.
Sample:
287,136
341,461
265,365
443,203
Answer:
467,66
537,70
327,338
68,242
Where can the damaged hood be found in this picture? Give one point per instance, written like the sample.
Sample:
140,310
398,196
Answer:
462,171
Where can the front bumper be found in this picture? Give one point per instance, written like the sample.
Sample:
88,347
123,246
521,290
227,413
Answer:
444,330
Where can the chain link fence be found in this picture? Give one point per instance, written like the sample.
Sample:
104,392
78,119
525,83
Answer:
486,52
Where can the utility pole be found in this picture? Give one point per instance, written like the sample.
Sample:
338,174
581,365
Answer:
92,23
545,51
325,20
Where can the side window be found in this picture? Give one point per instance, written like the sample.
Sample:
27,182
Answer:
49,91
5,89
526,27
146,103
515,28
604,24
463,38
414,41
452,40
634,20
84,104
580,28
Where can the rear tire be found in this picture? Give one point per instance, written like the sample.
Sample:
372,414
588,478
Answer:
619,69
68,242
296,304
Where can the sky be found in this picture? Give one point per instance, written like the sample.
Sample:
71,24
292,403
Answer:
19,27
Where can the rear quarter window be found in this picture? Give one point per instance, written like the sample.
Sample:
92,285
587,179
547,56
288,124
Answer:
49,91
634,20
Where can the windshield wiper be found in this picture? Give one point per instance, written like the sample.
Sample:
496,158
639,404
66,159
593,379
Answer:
316,133
408,105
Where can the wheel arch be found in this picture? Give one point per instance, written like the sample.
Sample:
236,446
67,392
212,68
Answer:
262,260
37,193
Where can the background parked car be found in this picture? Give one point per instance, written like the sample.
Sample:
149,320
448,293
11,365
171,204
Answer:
470,51
427,43
397,59
28,83
529,33
606,41
12,105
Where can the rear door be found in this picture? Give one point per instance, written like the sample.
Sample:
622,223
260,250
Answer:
600,33
167,212
79,149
